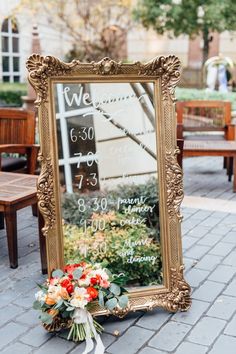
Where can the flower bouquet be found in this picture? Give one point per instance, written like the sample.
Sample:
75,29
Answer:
66,298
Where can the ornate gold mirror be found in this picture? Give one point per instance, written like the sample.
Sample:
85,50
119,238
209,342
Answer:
110,186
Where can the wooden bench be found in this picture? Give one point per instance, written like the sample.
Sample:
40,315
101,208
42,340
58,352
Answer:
216,148
204,120
18,191
17,135
210,131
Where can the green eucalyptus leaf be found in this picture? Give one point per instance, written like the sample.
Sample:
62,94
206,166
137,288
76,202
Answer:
101,298
111,303
109,273
57,273
115,289
42,287
123,301
59,304
77,273
69,308
46,318
37,305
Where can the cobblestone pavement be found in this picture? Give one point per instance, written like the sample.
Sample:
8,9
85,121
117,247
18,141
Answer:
209,244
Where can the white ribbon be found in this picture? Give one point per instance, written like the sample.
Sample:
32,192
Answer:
82,316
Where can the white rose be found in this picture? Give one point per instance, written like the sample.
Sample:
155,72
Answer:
40,296
80,298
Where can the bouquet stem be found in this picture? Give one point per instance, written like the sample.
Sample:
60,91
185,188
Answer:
77,331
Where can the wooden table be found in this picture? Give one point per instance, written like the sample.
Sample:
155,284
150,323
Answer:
18,191
225,148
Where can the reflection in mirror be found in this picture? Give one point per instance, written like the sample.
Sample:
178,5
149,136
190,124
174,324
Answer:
109,181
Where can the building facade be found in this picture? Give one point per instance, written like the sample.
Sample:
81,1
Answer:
16,38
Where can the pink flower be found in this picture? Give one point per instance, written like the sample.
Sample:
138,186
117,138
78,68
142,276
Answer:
104,283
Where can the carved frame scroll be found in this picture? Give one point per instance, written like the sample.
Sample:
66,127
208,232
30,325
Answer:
174,295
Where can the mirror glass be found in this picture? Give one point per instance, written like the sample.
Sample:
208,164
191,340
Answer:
106,138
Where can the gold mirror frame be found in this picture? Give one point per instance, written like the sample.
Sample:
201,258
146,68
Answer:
174,295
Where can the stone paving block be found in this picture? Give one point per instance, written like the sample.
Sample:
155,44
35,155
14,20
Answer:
30,318
10,332
25,301
224,344
149,350
188,210
223,307
221,229
23,286
210,222
17,348
209,262
221,249
206,331
203,214
188,242
222,274
231,288
7,314
197,309
188,263
154,319
191,222
36,336
197,251
196,276
208,291
169,337
191,348
7,297
229,220
199,231
120,325
56,345
210,239
230,259
107,339
131,341
220,214
230,329
230,237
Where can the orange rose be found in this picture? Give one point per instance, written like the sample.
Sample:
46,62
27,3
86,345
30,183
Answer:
50,301
53,312
93,293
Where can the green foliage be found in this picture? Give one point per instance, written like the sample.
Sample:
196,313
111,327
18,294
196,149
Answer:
114,246
10,94
183,94
182,17
191,17
72,215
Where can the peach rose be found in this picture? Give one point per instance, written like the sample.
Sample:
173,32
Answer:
50,301
53,312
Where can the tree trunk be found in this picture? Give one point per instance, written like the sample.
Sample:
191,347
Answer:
206,41
205,53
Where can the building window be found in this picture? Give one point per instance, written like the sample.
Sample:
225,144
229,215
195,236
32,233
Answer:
76,160
10,51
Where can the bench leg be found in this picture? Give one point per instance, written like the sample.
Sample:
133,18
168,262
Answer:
225,162
42,243
11,229
234,168
230,168
1,220
35,209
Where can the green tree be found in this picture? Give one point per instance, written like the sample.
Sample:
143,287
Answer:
191,17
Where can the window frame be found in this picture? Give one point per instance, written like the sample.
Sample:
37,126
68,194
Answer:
11,73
